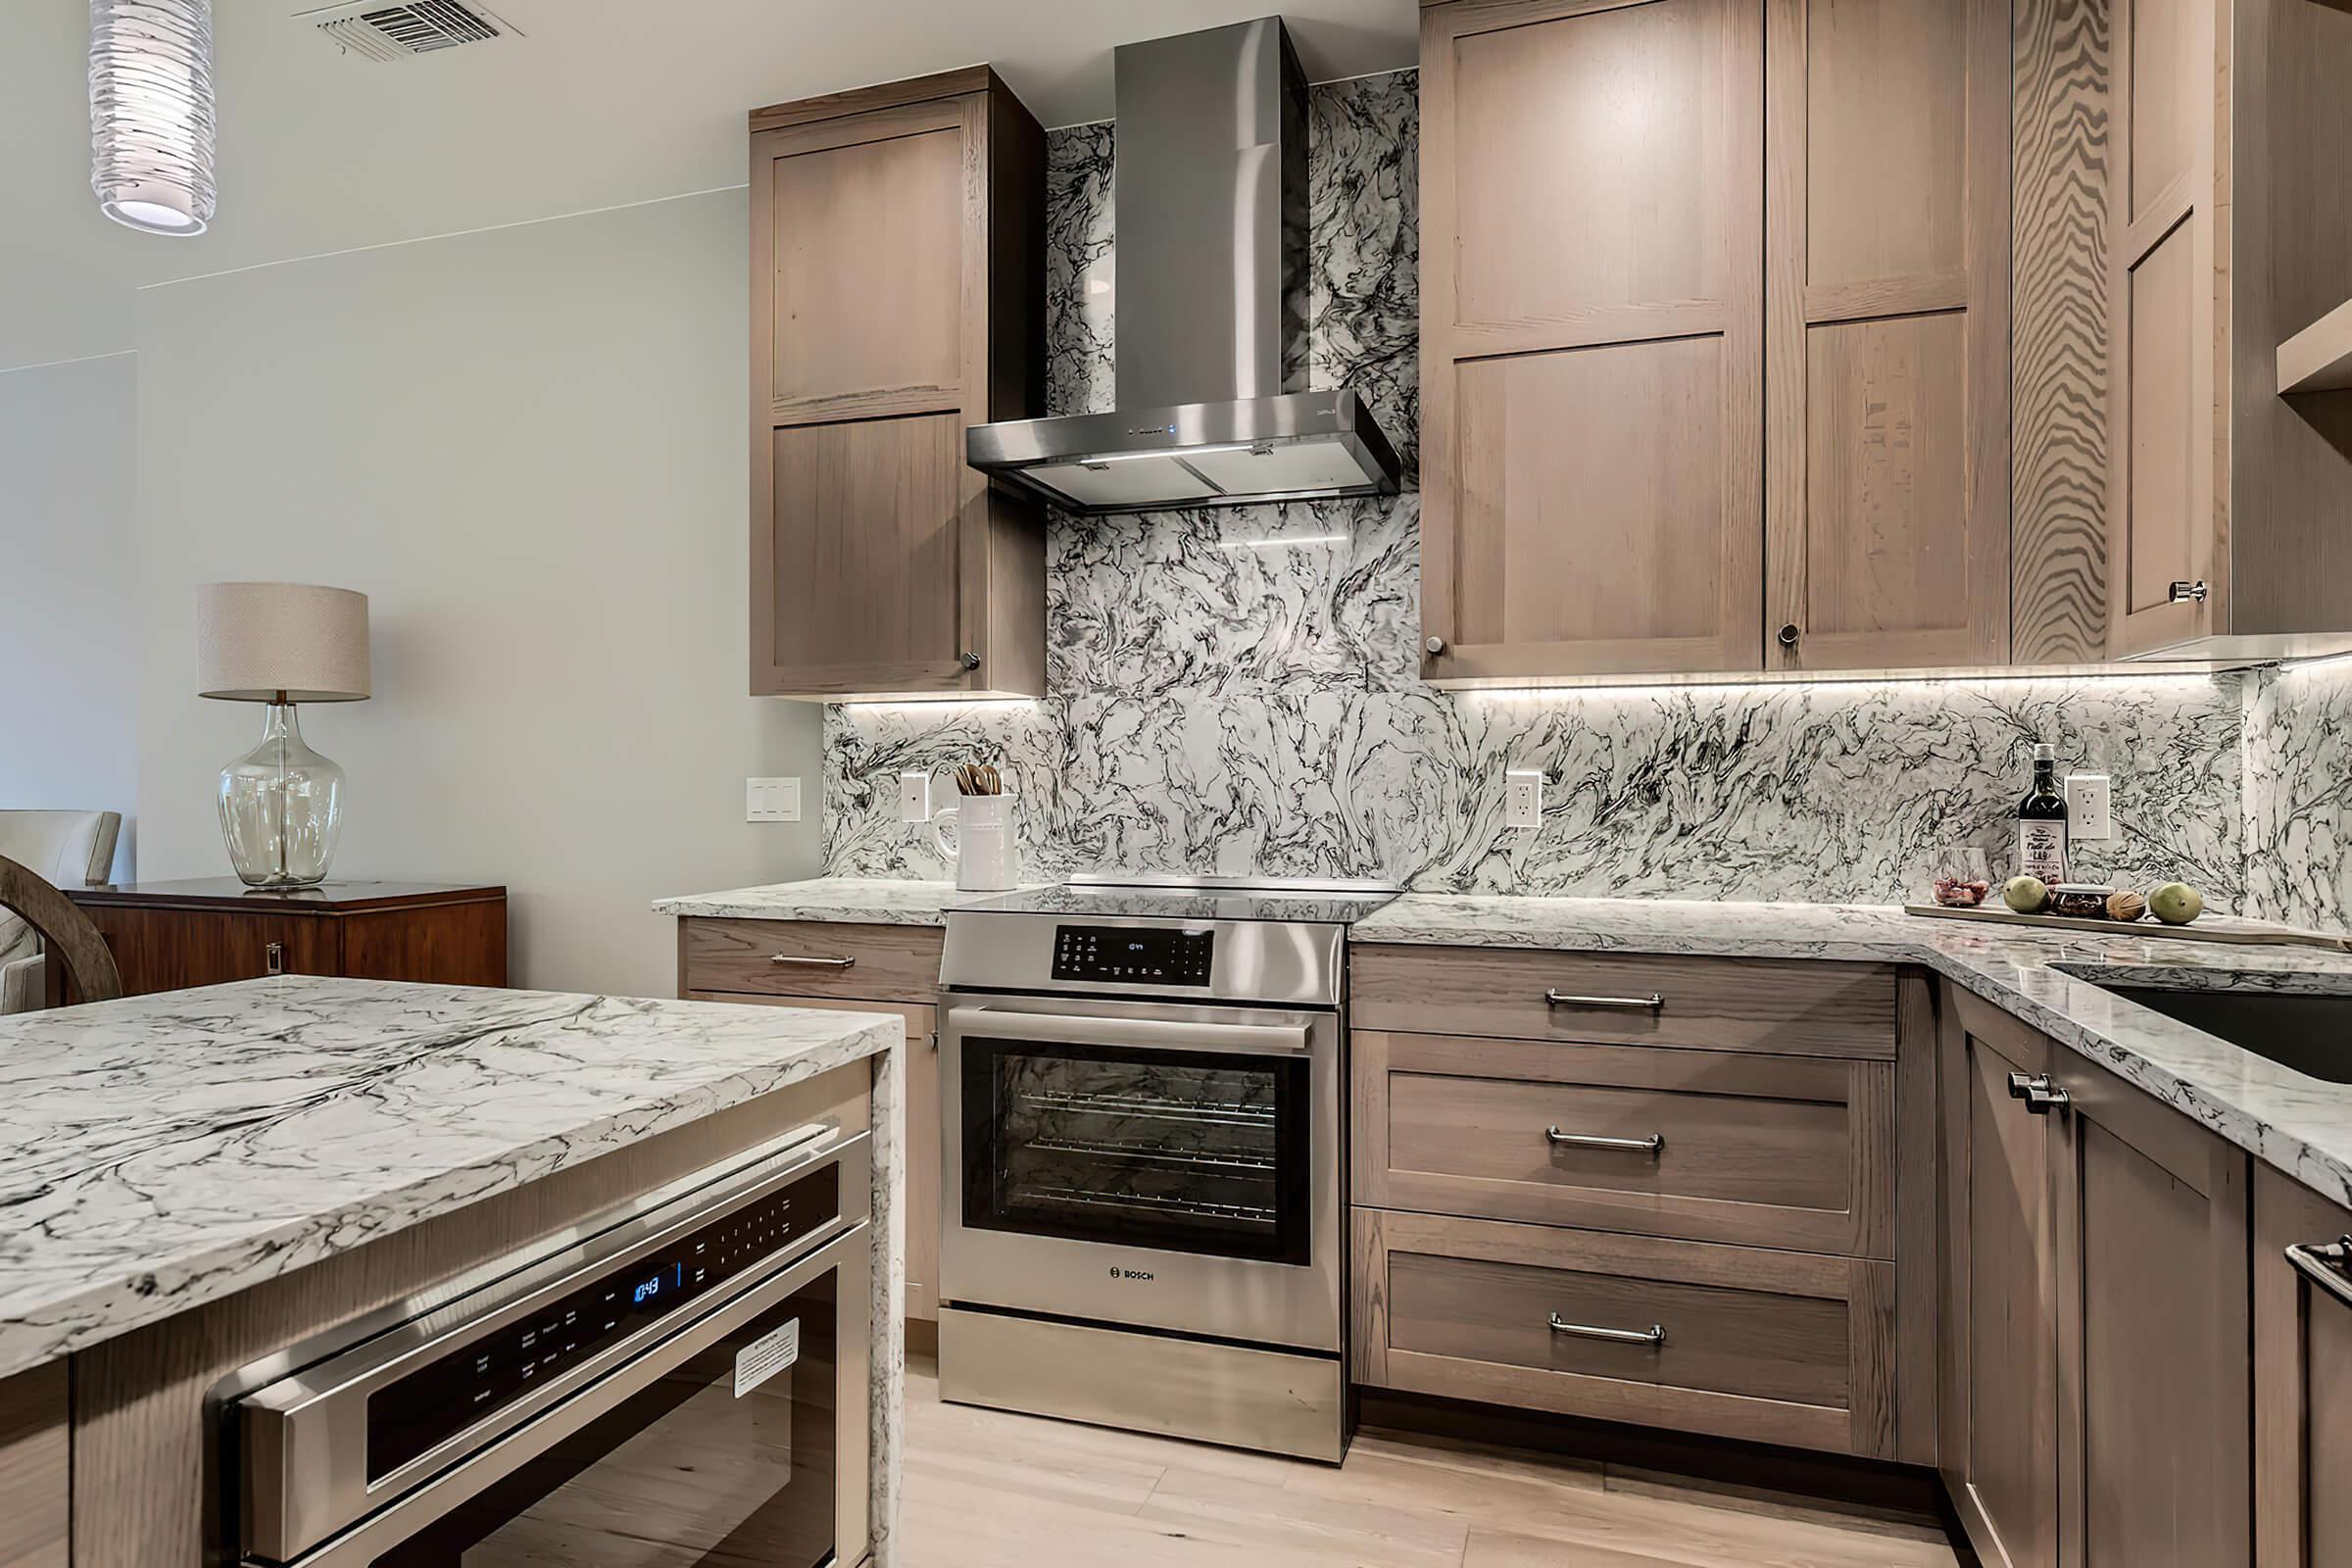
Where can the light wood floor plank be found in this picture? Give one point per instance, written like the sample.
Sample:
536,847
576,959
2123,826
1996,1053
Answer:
986,1488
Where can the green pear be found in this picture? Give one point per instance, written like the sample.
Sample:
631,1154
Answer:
2026,895
2175,902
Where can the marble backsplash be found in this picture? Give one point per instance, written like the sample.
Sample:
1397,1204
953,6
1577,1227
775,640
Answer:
1237,692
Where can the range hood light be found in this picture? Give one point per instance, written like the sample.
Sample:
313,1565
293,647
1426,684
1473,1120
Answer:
1105,458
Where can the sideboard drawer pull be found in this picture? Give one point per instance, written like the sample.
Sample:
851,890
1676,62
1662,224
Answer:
1653,1144
814,963
1654,1336
1653,1003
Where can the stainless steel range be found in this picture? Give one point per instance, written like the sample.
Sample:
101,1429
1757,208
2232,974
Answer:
1145,1134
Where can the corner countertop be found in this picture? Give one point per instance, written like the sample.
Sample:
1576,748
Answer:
164,1151
2301,1125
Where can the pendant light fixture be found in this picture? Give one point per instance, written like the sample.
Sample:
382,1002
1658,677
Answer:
151,112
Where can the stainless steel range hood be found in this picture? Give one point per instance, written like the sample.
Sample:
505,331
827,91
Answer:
1213,407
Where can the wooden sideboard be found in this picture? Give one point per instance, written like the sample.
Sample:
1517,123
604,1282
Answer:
167,936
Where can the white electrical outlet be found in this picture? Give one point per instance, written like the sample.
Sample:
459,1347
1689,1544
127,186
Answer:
914,797
771,799
1523,798
2087,813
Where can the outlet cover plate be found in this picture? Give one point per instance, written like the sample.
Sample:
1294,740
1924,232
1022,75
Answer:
914,797
1523,798
2089,815
771,799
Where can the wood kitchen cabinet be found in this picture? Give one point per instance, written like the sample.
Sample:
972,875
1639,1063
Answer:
898,296
846,968
2095,1390
1592,337
1887,326
2302,1384
2229,497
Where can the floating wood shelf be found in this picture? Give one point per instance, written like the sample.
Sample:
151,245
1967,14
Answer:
2319,358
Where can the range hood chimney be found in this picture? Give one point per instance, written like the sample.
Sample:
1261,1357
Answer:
1212,322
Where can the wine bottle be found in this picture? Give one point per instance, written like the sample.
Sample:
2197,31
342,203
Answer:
2041,846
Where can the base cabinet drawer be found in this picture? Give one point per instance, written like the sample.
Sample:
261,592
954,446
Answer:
1783,1005
1783,1347
810,959
1746,1147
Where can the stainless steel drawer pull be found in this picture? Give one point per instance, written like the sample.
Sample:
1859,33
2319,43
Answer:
812,963
1653,1003
1654,1336
1651,1144
2326,1264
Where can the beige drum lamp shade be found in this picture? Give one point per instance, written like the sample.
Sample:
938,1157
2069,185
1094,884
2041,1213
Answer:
293,642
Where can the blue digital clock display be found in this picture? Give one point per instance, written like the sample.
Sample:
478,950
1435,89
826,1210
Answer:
659,1284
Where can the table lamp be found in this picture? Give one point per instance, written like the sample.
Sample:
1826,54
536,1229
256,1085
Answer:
282,643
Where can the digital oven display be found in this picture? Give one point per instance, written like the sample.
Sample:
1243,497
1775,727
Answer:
1132,957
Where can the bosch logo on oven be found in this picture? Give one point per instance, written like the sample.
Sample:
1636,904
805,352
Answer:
1119,1273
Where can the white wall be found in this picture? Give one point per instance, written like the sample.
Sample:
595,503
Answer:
69,636
527,446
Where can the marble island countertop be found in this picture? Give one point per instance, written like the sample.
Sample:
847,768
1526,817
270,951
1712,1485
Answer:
164,1151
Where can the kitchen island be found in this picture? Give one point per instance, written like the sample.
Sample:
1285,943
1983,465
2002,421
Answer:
198,1178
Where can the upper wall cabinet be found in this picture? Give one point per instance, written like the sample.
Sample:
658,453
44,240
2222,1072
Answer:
1592,337
898,270
1714,336
1887,367
2229,499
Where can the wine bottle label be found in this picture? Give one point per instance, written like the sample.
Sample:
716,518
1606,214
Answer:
2041,849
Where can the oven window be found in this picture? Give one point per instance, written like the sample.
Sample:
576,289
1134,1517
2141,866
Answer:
1192,1152
688,1474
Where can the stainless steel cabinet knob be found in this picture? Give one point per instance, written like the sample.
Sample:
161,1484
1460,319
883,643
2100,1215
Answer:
1435,646
2188,593
1789,635
971,661
2038,1091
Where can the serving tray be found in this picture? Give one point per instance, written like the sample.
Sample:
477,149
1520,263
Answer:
2209,928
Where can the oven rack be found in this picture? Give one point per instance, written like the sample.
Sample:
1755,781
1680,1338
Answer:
1149,1108
1157,1154
1144,1204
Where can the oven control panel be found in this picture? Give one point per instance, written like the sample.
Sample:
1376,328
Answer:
1132,954
443,1398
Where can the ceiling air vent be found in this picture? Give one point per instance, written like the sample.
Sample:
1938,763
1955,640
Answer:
379,32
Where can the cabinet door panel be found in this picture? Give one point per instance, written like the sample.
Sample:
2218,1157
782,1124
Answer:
868,243
2302,1385
2150,1215
1886,446
866,527
1591,332
1587,457
1999,1351
2164,514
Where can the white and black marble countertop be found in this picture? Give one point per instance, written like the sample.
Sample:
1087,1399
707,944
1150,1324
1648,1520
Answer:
164,1151
854,900
2299,1124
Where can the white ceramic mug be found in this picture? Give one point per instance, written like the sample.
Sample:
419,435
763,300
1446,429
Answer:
987,861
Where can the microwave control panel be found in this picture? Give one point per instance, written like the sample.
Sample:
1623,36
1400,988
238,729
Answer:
420,1411
1132,954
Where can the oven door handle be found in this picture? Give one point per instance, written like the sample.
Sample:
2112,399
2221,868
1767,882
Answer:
1143,1034
366,1541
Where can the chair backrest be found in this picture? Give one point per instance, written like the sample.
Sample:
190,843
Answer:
69,937
71,849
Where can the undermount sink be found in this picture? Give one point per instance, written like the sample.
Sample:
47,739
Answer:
2309,1032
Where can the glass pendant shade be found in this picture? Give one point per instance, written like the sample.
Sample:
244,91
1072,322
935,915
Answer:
151,112
281,808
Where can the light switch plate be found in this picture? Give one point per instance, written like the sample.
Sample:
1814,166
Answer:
2089,814
914,797
771,799
1523,798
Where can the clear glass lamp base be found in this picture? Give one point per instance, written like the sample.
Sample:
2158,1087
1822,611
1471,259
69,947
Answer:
281,808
